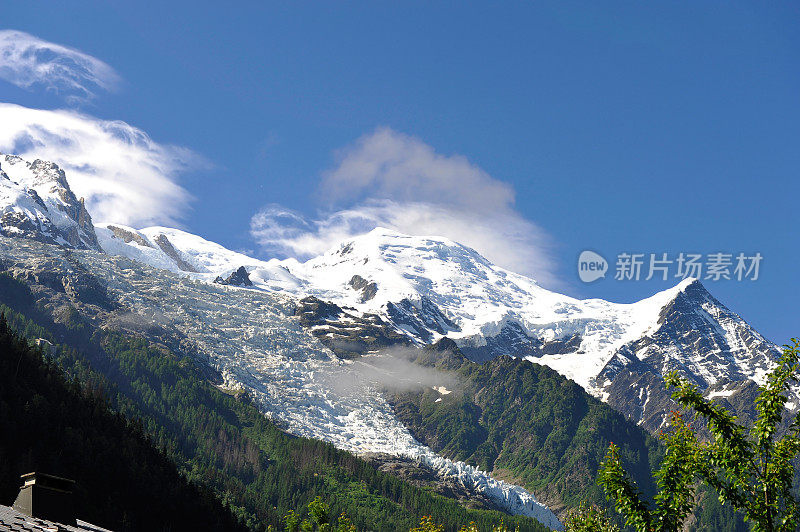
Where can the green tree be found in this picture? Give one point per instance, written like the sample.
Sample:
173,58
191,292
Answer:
320,519
589,518
472,527
749,467
426,524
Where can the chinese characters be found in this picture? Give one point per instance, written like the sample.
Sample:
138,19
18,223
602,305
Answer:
713,266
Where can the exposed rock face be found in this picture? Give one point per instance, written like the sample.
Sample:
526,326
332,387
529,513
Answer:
419,321
237,278
390,288
167,247
388,285
253,341
514,340
704,341
128,236
37,203
346,332
76,285
695,334
368,289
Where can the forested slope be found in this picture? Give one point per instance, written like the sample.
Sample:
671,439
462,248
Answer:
54,425
219,439
528,424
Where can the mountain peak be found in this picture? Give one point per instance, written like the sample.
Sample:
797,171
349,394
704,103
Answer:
401,249
669,294
380,238
387,232
36,202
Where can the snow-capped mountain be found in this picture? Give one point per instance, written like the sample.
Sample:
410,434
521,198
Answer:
267,325
390,287
430,287
698,336
426,288
36,202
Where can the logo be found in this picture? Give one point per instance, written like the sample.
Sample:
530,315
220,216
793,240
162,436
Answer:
665,266
591,266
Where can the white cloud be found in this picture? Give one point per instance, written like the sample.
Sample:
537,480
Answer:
388,164
393,180
28,61
123,174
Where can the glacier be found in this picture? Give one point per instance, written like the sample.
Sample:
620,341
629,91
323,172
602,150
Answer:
253,339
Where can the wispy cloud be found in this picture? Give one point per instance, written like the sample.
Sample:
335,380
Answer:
124,175
391,369
388,164
397,181
30,62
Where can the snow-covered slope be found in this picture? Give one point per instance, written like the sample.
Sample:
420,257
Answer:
429,287
426,288
37,203
479,299
188,254
702,339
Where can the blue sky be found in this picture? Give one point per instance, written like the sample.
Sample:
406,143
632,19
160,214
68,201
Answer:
532,132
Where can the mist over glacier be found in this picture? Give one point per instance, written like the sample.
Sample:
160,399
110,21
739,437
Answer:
391,369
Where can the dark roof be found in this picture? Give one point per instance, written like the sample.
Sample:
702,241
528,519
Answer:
13,521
